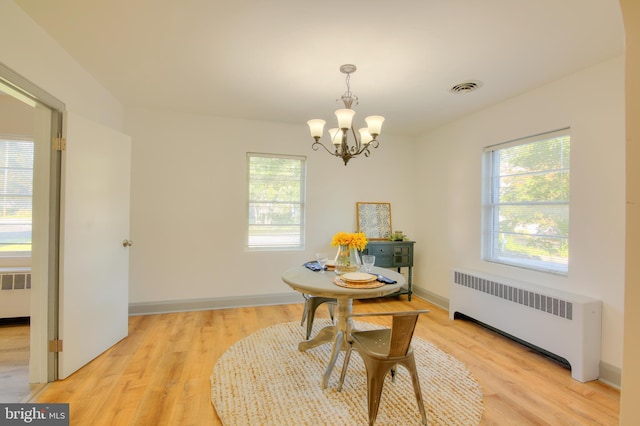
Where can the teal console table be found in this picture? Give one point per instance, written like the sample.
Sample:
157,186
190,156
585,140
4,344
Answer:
394,254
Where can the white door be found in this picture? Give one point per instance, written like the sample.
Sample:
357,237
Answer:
94,264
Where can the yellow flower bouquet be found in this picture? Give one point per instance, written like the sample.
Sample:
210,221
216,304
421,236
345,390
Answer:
349,245
355,240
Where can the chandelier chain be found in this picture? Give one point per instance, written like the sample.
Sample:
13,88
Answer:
348,98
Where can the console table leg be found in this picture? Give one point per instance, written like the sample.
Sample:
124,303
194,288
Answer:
410,282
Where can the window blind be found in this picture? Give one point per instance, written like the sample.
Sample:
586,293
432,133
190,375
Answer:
16,192
527,208
276,194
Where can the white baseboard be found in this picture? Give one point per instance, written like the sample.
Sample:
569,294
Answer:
432,297
149,308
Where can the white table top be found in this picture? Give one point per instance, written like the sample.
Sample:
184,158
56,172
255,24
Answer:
307,281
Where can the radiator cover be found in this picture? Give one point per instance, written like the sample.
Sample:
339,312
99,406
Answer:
15,294
564,324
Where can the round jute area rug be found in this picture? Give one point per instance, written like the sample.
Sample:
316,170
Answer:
264,380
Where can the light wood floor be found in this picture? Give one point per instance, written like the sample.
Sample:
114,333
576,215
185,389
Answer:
159,375
14,363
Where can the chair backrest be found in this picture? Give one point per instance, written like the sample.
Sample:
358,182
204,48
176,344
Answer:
401,333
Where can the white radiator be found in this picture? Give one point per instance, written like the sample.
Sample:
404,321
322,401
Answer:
564,324
15,294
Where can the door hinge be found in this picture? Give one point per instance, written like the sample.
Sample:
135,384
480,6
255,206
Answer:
55,345
59,144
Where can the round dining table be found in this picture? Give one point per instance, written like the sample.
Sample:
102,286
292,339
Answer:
317,283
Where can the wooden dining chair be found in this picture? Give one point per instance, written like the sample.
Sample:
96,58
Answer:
311,303
383,349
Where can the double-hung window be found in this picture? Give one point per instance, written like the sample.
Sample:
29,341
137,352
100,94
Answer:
16,191
276,197
526,202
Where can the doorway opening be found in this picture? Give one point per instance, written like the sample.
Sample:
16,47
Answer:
29,217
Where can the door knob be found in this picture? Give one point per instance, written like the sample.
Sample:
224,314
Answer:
127,243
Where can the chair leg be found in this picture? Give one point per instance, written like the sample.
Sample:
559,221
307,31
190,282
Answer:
345,364
410,363
304,311
332,310
310,314
376,372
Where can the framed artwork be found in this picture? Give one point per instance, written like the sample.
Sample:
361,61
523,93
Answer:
374,219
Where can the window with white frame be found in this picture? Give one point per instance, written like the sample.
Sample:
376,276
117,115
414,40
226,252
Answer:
276,197
16,192
526,207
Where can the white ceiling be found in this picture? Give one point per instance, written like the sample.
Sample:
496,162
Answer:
279,60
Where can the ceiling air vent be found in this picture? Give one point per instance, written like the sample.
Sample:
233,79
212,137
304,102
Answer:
466,87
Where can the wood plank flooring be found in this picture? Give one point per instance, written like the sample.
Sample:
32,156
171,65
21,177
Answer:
159,375
14,363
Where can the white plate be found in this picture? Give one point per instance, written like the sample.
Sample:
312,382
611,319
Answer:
357,276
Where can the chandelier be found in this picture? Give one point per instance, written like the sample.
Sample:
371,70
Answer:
339,136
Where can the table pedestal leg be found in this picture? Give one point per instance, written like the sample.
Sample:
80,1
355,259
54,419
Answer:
338,334
325,335
345,307
337,346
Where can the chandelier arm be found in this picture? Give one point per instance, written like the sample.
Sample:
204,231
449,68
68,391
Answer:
355,149
363,150
366,147
374,143
318,144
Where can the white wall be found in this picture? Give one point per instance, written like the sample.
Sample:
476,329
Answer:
29,51
188,219
448,164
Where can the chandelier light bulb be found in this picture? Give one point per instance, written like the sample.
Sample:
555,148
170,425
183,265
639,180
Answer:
345,116
374,123
365,136
316,127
